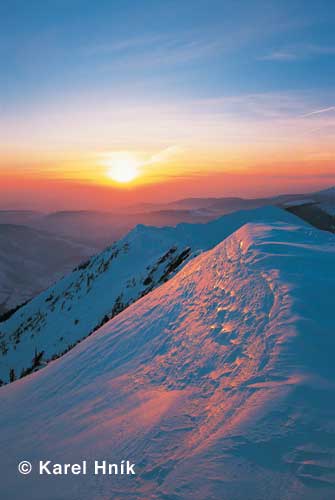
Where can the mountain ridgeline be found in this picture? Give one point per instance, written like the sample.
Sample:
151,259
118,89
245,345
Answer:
99,289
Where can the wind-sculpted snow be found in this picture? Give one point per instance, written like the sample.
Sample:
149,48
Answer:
219,384
102,287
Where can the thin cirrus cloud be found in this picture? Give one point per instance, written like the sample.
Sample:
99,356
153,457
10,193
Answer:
155,50
330,109
294,53
214,122
262,105
124,45
279,55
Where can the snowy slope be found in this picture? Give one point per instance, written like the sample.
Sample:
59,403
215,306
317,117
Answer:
328,193
219,384
78,304
326,200
31,260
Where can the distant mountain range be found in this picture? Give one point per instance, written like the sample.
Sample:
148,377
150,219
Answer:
100,229
85,233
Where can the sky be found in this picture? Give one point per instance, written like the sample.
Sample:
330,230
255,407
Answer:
204,97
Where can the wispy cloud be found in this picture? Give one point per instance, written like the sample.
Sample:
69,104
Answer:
155,50
320,111
164,155
279,55
296,52
144,159
125,45
266,105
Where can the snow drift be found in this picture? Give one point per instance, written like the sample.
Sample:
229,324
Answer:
219,384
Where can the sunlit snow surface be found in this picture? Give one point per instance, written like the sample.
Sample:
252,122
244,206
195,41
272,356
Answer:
219,384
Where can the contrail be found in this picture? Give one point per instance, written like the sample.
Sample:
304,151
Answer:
320,111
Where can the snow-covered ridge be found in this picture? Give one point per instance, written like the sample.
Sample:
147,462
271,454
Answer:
317,208
218,384
329,191
99,289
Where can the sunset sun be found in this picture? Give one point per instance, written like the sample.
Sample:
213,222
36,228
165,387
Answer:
122,167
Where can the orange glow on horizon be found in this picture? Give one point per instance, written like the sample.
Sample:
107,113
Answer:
112,179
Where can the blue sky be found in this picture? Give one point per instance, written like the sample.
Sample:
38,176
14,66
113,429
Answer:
228,83
161,49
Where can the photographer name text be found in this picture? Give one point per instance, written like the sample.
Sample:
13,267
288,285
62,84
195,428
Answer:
96,467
